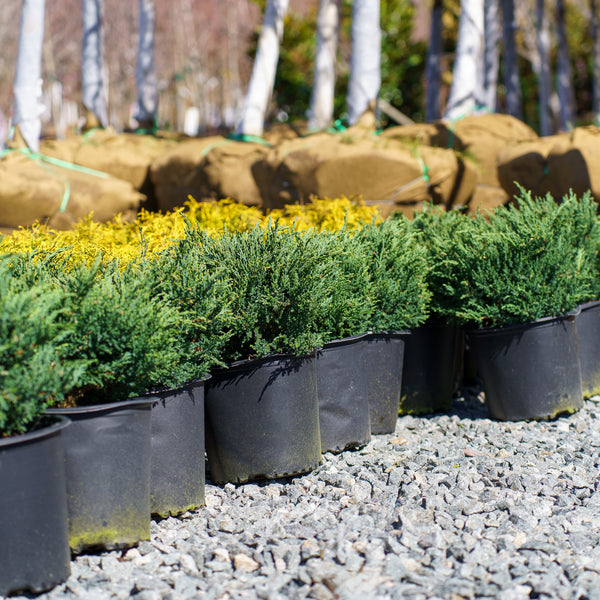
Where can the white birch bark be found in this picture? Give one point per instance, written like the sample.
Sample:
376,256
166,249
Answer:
544,85
487,94
595,30
365,59
564,73
320,112
511,69
92,60
262,80
433,66
28,105
147,104
468,60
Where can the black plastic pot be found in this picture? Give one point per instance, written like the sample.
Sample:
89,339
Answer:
262,419
344,417
588,339
107,458
384,356
531,370
34,548
177,470
432,368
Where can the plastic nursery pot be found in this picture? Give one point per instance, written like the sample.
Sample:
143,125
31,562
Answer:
432,368
177,470
34,548
384,356
588,340
262,419
107,458
343,398
531,370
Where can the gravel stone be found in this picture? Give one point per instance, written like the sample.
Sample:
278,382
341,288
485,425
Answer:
450,506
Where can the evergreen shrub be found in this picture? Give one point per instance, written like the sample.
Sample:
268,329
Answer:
34,346
278,284
534,260
397,268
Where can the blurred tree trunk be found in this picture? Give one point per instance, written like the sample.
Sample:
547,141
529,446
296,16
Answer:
28,76
564,73
487,93
92,64
262,80
365,58
147,105
433,67
466,72
512,84
544,85
323,90
595,31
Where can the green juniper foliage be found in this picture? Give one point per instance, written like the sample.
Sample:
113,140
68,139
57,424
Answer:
278,284
34,372
202,297
525,263
121,330
351,300
397,268
436,230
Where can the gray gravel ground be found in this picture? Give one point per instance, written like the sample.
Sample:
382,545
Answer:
449,506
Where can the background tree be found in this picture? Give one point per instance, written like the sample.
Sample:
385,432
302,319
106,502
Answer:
92,64
564,76
365,59
28,82
433,69
512,83
466,72
323,89
544,83
486,95
261,83
147,106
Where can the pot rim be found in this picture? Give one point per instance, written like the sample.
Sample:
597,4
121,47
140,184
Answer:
173,390
388,334
249,362
345,341
589,305
570,316
46,431
99,408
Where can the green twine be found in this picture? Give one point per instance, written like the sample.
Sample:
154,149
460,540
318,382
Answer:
243,137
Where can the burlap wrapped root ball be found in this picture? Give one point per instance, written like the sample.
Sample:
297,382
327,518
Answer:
389,174
210,168
33,190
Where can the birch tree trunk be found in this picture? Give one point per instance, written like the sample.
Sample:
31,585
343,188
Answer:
262,80
595,27
545,87
28,105
466,72
512,84
92,61
488,90
323,91
433,67
365,59
147,106
564,73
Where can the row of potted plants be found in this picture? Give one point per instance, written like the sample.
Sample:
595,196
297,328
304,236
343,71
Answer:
303,334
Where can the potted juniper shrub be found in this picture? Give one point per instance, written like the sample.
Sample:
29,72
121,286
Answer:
397,271
125,336
34,550
262,417
434,352
178,275
342,386
516,282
